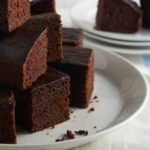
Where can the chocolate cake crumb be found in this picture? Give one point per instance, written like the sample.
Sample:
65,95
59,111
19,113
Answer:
82,132
91,109
59,140
70,135
95,97
95,127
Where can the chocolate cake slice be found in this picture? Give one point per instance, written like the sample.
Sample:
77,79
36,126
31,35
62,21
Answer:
78,63
42,6
46,103
13,13
7,116
146,13
72,37
23,57
121,16
53,23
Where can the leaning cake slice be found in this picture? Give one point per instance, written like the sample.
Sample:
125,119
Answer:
121,16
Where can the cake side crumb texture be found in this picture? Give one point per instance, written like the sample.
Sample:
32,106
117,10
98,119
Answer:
13,14
7,117
46,103
23,53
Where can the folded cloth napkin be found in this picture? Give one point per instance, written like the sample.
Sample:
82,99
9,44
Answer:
136,134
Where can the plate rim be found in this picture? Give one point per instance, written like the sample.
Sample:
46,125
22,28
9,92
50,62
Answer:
104,34
118,42
112,48
104,131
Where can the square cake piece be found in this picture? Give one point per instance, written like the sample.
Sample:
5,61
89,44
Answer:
53,22
23,57
78,63
42,6
72,37
145,4
46,103
7,117
13,13
120,16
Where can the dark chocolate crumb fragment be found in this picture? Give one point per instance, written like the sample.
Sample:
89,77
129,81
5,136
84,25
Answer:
91,109
70,135
82,132
59,140
95,97
95,127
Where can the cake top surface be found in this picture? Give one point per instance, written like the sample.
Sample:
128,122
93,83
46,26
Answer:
130,3
51,75
15,46
5,95
44,18
77,56
71,34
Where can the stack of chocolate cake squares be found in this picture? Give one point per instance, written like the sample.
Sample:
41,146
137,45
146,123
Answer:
43,68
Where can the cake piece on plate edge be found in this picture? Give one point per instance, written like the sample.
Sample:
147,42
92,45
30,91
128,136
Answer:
42,6
23,57
52,21
7,116
78,63
145,4
72,37
120,16
46,103
13,14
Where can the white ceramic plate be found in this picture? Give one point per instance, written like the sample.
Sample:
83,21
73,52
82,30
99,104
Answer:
83,16
122,93
118,42
92,43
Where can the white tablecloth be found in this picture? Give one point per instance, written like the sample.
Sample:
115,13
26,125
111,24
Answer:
136,134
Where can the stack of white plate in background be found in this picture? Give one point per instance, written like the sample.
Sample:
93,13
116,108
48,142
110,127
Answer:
83,16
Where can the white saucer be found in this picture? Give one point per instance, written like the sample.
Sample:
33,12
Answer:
92,43
118,42
122,94
83,16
